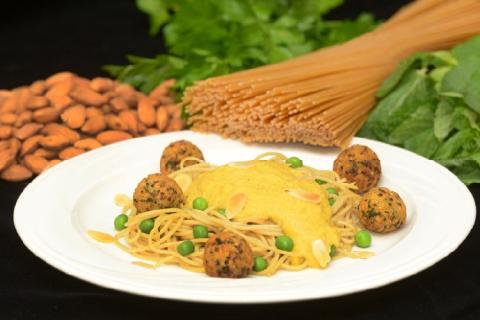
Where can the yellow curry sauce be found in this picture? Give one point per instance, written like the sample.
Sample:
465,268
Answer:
265,183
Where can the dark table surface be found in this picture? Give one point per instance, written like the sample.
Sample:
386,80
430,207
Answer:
38,39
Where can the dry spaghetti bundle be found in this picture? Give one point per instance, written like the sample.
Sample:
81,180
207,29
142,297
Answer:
324,97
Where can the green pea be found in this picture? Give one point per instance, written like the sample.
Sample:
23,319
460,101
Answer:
200,231
333,250
259,264
331,201
120,222
147,225
363,239
332,191
320,181
185,248
284,243
295,162
222,211
200,203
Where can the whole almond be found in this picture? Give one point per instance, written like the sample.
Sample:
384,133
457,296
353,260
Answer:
37,102
51,164
112,136
87,144
10,105
15,173
130,118
7,157
152,131
15,145
8,118
94,125
4,144
23,118
87,96
61,88
28,130
30,145
54,142
38,87
58,77
45,153
81,82
162,118
164,101
175,125
127,93
93,112
74,117
24,96
59,129
60,102
146,111
101,84
118,104
35,163
5,132
115,123
45,115
69,153
162,89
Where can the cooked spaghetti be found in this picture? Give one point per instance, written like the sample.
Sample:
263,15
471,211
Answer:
173,226
323,98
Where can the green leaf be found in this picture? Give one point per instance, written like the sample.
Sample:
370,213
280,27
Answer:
442,125
424,143
419,121
157,11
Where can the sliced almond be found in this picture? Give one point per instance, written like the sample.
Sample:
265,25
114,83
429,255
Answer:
100,236
240,164
305,195
144,265
235,205
184,181
321,252
122,200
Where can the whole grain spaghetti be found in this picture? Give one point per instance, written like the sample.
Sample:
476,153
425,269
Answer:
173,226
323,98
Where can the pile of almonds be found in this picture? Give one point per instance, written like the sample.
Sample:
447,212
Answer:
66,115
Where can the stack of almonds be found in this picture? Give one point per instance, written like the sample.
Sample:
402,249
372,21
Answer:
65,115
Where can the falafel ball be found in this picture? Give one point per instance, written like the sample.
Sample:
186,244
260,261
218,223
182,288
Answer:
382,210
175,152
157,191
227,256
359,164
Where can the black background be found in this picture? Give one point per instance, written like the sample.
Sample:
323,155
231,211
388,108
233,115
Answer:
43,37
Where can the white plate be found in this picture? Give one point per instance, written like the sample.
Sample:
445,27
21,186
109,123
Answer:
55,210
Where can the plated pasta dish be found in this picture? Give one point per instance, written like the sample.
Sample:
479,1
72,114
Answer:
255,217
